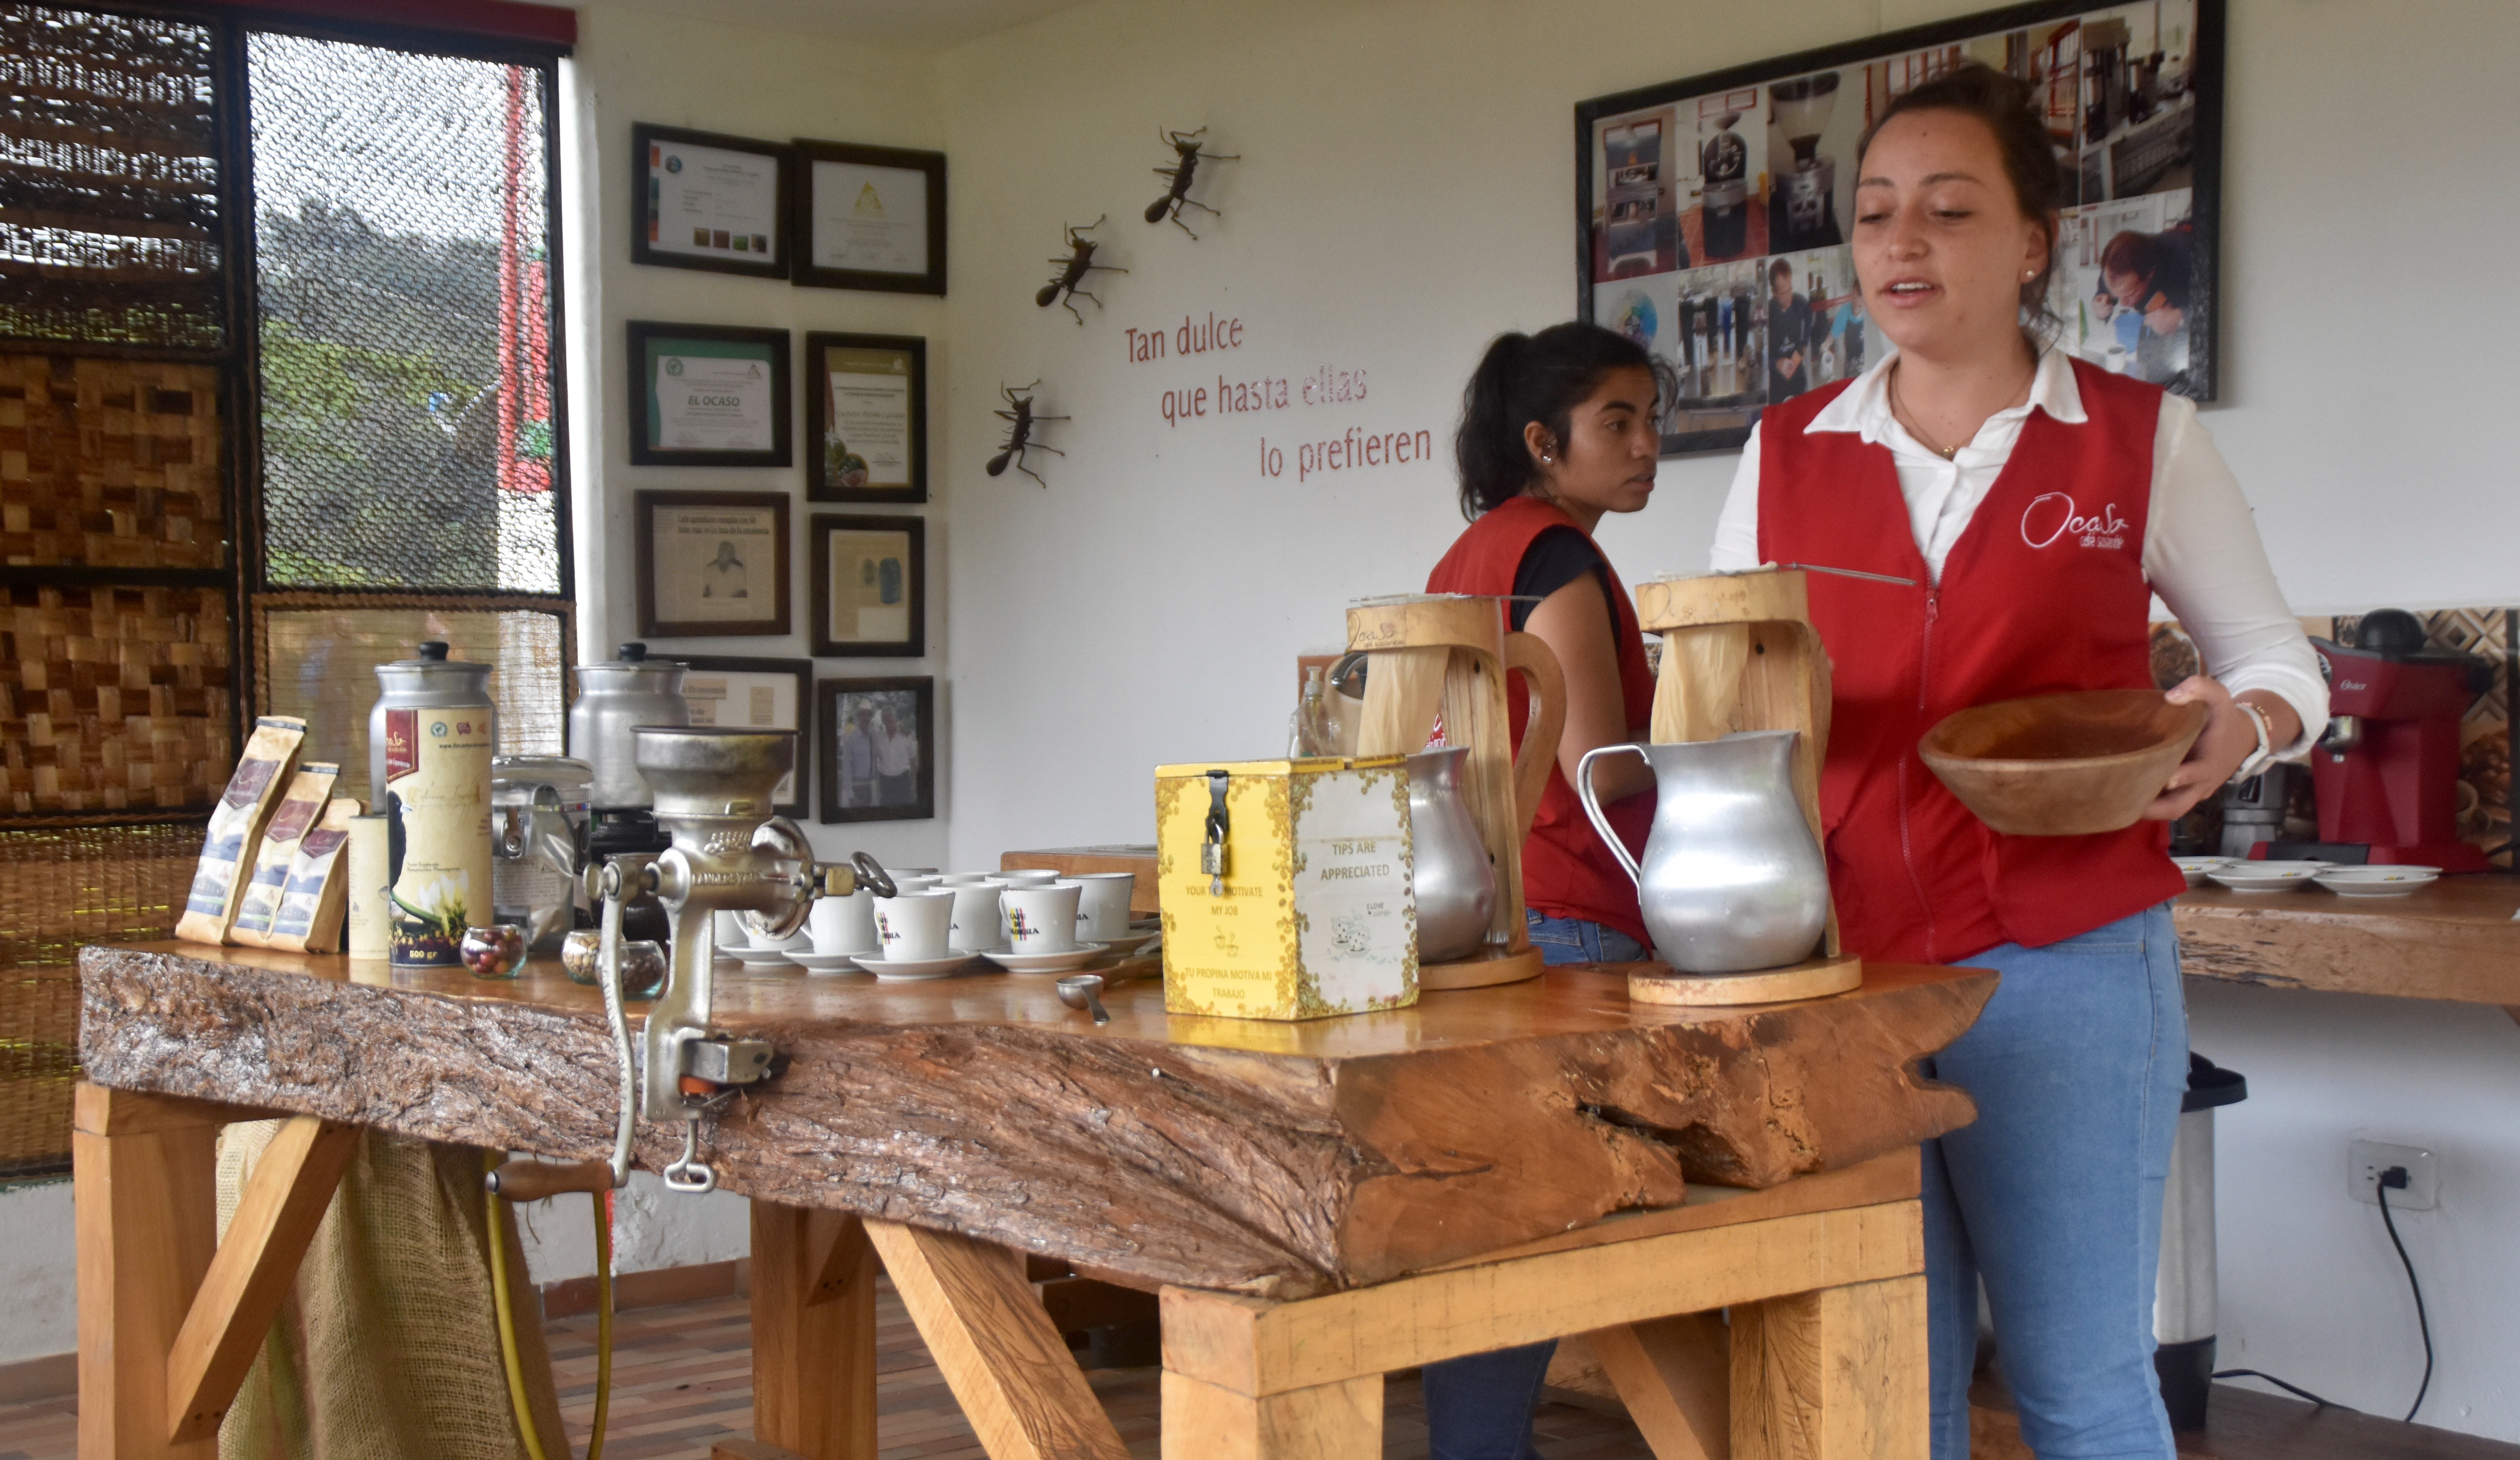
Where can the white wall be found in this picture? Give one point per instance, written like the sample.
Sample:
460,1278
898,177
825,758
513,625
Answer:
1406,192
38,1271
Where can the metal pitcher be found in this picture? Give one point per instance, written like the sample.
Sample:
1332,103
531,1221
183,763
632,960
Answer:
1732,879
1455,884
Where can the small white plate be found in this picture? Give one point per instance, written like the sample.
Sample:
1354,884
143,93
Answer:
824,963
2196,869
758,958
1046,963
903,970
2380,881
1131,941
2267,876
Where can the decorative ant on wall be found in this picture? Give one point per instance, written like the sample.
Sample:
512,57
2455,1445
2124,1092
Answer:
1185,146
1073,269
1021,419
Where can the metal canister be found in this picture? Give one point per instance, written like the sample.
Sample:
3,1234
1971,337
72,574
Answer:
537,844
430,742
612,699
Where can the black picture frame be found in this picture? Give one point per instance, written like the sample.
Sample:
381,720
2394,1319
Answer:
703,665
928,278
838,793
649,339
2161,124
678,595
909,594
646,143
826,472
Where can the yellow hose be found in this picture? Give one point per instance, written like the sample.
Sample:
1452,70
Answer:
515,1366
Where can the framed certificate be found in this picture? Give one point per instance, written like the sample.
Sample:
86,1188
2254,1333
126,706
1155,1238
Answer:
866,418
703,201
711,565
870,217
877,749
869,586
707,396
757,693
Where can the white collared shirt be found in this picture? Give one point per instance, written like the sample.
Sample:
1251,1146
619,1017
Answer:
2200,544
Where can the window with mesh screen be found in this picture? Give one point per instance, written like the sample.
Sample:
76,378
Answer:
403,271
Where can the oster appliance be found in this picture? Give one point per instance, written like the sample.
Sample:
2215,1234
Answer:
2386,773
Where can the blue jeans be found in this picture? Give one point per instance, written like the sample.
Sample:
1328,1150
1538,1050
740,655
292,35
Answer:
2054,1194
1478,1407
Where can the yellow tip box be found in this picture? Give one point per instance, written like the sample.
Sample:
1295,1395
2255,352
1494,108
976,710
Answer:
1285,887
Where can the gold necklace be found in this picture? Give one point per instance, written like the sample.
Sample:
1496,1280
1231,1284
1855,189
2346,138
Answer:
1899,409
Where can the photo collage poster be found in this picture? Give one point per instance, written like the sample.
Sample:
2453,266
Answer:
1718,235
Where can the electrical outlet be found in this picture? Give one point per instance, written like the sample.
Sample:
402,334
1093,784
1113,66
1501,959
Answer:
2365,1161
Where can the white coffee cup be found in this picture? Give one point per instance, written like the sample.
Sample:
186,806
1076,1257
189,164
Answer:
979,923
913,882
964,879
843,925
1103,908
1028,877
914,926
727,930
1042,920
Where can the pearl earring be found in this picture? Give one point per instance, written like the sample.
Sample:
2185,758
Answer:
1546,458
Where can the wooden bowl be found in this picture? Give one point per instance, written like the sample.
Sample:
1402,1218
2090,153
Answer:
2062,765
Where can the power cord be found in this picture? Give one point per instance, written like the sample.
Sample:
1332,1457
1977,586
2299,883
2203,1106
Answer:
2395,1179
2392,1179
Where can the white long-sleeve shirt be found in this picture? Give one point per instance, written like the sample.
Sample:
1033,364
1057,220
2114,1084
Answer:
2201,552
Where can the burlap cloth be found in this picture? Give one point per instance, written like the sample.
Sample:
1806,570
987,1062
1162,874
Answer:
388,1348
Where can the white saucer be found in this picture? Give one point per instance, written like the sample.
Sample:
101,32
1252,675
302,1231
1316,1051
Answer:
2267,876
1046,963
824,963
2384,880
904,970
1131,941
2196,869
757,958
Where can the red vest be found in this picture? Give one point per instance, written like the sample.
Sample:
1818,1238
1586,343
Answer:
2043,592
1566,870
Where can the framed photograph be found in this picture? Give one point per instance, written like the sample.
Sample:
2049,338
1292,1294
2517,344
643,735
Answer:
870,217
708,396
877,749
758,694
703,201
1713,214
711,565
866,418
869,586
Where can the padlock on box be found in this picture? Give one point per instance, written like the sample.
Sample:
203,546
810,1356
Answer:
1285,887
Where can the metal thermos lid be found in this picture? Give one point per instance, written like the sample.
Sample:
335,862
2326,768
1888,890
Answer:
436,674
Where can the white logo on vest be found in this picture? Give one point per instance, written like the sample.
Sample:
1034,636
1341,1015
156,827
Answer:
2052,516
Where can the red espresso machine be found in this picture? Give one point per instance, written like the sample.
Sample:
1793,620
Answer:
2386,773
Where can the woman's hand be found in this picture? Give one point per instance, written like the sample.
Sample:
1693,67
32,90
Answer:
2228,738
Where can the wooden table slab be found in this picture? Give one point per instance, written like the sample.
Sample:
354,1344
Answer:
1268,1159
2455,939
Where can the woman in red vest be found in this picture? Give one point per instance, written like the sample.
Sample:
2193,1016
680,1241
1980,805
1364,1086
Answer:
1558,429
2036,504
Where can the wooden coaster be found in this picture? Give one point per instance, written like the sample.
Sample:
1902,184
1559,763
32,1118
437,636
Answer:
1816,978
1491,966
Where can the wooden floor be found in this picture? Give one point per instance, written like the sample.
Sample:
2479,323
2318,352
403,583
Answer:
683,1379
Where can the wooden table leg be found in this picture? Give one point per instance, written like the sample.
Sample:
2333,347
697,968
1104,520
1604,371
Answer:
145,1182
813,1333
1674,1376
1838,1374
1341,1421
1009,1368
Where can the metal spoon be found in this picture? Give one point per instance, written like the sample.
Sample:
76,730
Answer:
1084,992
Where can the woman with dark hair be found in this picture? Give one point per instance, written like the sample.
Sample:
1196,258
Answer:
1558,429
2034,504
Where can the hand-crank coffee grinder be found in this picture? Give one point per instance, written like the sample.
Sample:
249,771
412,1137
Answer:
612,699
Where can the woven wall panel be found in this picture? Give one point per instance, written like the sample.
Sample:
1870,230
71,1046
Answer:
110,464
113,700
60,889
108,179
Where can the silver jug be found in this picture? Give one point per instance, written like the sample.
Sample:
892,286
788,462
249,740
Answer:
1732,879
538,810
1454,882
612,699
